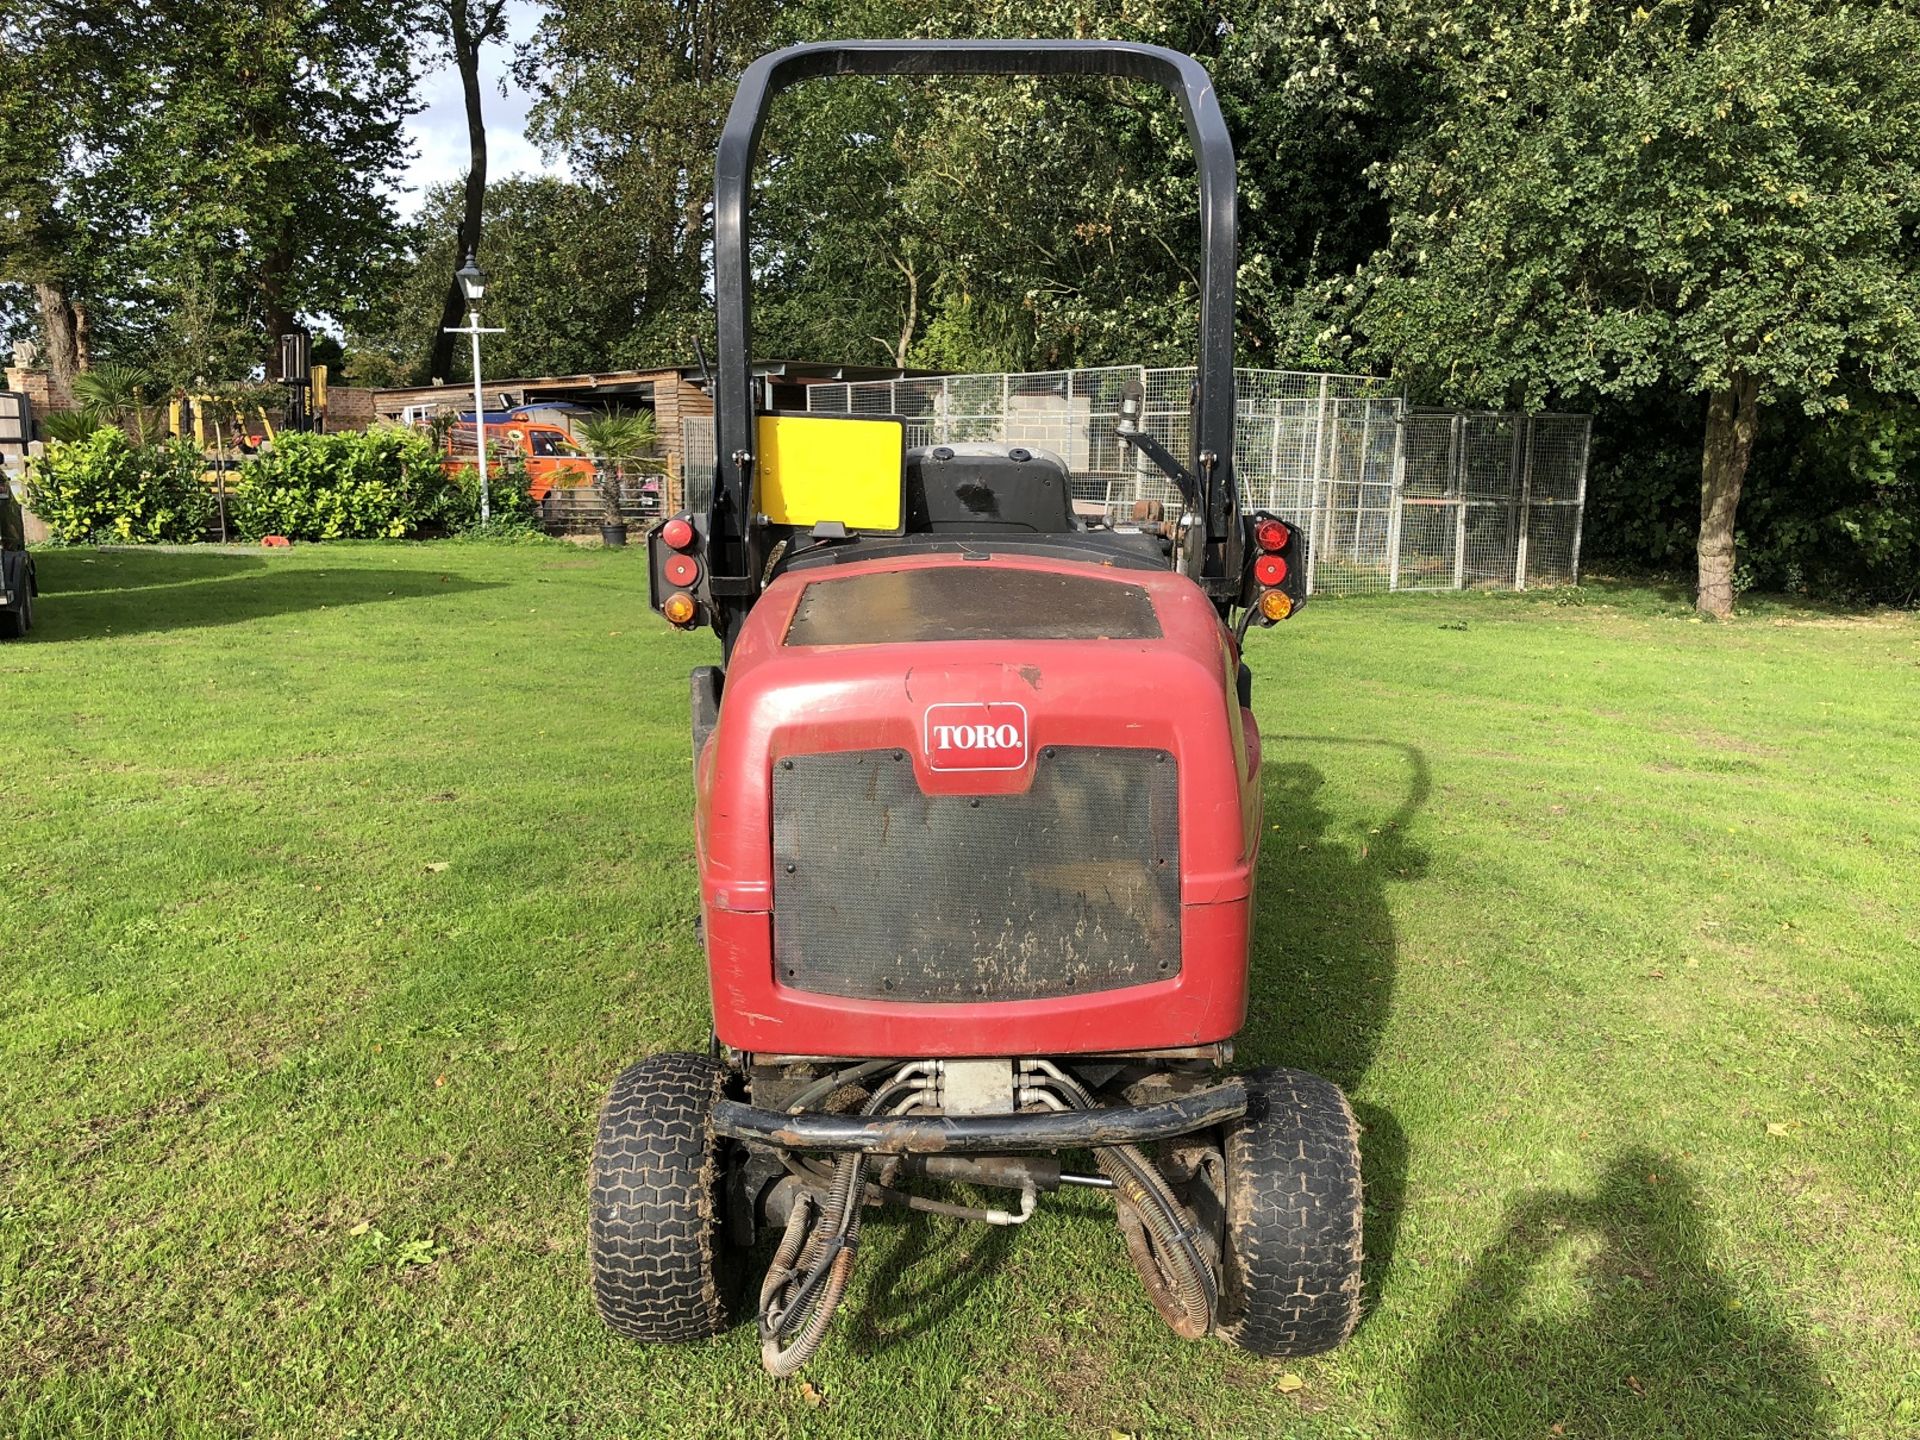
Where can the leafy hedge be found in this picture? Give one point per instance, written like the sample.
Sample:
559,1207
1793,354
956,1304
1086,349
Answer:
1832,507
384,484
105,489
387,483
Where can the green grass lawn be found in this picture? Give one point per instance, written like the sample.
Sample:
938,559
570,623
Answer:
339,883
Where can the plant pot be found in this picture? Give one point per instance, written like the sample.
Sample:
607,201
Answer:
614,535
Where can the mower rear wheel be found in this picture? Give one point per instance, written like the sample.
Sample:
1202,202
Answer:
654,1235
16,621
1293,1223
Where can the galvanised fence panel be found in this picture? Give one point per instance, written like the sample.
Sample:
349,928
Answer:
1392,497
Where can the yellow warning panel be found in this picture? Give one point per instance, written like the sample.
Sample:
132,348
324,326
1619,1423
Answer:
833,467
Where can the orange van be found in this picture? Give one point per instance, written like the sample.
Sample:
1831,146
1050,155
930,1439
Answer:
550,454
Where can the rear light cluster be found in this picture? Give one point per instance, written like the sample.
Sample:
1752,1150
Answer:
1273,594
676,571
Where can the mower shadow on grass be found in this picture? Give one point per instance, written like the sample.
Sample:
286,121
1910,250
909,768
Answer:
171,595
83,570
925,1267
1325,956
925,1270
1654,1343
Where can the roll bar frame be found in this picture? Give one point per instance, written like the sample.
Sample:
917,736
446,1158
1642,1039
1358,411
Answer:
735,540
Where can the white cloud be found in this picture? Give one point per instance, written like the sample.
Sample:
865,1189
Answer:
439,131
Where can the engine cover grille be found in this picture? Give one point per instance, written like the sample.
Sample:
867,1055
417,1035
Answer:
882,892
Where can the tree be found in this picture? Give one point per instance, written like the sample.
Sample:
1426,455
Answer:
1722,196
634,92
61,218
468,25
267,144
561,283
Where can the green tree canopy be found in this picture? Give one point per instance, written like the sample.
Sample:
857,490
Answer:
1722,196
194,176
560,287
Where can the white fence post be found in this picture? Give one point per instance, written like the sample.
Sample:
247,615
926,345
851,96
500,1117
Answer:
1397,497
1580,500
1457,482
1316,528
1526,508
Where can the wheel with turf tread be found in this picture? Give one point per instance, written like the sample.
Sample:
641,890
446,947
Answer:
1291,1282
17,620
654,1233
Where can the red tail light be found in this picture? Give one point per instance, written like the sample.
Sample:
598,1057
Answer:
677,533
1271,535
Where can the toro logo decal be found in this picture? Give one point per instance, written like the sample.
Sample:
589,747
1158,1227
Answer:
977,735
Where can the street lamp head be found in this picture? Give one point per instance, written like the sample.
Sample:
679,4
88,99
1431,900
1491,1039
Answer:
473,280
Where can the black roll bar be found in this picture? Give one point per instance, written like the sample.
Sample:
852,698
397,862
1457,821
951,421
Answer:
735,544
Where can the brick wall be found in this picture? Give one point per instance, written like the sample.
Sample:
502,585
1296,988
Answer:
37,385
349,407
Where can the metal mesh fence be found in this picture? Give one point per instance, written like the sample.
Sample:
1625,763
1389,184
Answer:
1391,497
698,459
1491,500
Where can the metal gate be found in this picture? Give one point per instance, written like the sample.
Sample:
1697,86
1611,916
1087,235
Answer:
16,428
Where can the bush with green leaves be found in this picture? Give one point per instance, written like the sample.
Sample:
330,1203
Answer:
455,510
105,489
1832,506
386,484
336,487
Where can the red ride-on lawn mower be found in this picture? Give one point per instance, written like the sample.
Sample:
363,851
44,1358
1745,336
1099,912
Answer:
978,821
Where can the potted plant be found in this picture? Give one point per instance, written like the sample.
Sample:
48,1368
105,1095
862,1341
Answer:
615,439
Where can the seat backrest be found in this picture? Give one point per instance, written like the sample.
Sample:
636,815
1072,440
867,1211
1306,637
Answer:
987,489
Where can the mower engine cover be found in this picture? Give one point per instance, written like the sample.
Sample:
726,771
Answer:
1013,805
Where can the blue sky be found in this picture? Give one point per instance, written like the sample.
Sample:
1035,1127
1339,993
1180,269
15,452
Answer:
439,131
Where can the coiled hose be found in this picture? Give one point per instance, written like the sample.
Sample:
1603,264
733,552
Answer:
812,1264
1159,1239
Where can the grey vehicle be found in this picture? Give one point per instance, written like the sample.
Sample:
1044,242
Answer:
17,583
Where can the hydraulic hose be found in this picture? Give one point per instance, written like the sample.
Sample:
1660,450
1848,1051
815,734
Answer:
1178,1278
808,1277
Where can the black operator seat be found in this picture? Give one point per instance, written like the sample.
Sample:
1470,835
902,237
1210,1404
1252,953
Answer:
975,489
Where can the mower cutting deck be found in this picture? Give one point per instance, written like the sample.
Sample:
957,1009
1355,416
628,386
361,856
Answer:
978,824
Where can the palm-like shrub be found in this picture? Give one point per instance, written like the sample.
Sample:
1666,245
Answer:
616,438
107,395
117,395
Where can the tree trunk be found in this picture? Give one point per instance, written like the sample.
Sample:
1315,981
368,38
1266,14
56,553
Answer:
467,38
82,335
275,275
65,328
1732,417
912,317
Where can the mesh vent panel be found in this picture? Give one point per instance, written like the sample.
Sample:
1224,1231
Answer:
882,892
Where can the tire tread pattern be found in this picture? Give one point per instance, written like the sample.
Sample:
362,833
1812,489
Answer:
653,1232
1294,1222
